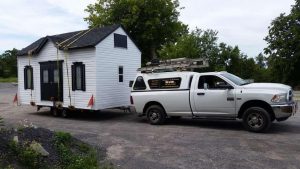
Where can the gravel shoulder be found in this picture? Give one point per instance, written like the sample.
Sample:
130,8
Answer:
130,142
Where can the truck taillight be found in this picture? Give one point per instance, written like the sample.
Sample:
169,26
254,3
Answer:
131,100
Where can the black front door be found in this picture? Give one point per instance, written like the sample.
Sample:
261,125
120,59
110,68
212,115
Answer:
51,81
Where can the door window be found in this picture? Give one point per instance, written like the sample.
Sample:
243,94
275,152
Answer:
45,76
56,76
211,82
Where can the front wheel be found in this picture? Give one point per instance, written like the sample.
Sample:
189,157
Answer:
256,119
156,114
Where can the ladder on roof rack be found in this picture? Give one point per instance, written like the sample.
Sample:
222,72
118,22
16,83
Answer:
171,65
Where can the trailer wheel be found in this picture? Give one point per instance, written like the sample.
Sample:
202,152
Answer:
54,111
65,113
156,114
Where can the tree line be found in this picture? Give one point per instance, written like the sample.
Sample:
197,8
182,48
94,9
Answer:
155,27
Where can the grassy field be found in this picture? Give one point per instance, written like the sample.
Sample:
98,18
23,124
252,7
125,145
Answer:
8,80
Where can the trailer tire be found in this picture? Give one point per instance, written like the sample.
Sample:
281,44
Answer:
156,114
257,119
54,111
65,113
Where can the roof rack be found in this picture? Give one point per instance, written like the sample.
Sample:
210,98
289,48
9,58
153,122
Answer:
171,65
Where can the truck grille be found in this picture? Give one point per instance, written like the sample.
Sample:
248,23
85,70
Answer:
290,95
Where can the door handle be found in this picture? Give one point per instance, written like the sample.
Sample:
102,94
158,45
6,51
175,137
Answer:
230,99
200,94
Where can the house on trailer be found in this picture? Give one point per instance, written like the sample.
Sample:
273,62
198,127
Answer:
89,69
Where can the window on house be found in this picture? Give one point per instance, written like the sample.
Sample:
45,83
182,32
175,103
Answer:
78,76
120,40
28,77
121,75
139,84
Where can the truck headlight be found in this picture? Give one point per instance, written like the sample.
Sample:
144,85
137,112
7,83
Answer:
279,98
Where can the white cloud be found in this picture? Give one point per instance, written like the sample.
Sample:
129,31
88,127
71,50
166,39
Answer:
31,19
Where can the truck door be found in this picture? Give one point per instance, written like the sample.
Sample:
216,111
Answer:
213,96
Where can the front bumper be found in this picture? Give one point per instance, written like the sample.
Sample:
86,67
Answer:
285,110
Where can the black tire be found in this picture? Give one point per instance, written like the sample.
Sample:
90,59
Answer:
65,113
55,112
156,115
257,119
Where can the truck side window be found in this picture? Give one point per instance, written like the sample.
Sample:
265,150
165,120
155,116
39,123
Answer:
168,83
212,82
139,84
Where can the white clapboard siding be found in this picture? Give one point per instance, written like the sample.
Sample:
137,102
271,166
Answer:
79,99
111,93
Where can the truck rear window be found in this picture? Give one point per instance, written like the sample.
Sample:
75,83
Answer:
139,84
168,83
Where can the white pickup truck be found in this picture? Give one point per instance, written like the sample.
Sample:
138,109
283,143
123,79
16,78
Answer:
213,95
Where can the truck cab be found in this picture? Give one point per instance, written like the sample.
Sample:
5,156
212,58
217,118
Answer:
212,95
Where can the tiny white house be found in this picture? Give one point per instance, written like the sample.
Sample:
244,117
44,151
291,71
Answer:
89,69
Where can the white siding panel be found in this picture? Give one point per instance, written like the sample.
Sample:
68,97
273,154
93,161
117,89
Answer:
110,92
79,99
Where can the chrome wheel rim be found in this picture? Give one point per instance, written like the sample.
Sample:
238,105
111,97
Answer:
255,120
154,115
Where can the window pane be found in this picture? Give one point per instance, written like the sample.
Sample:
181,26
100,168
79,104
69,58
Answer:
120,40
78,77
169,83
120,78
45,76
56,76
212,82
29,78
120,69
139,84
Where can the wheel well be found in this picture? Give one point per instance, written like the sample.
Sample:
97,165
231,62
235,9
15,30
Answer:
150,104
256,103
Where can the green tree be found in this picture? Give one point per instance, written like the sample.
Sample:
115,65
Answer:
151,23
197,44
8,63
284,47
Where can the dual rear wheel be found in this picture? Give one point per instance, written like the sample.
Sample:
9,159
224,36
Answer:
59,112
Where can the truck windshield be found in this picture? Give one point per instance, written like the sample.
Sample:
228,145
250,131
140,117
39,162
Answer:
235,79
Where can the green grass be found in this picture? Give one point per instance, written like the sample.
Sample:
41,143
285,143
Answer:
8,80
71,160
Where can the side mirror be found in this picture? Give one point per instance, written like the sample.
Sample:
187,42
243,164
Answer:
130,83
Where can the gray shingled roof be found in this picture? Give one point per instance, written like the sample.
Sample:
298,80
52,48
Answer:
90,39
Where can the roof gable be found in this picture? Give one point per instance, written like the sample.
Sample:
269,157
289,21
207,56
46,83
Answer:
76,40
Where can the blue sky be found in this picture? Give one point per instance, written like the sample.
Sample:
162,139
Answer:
239,22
